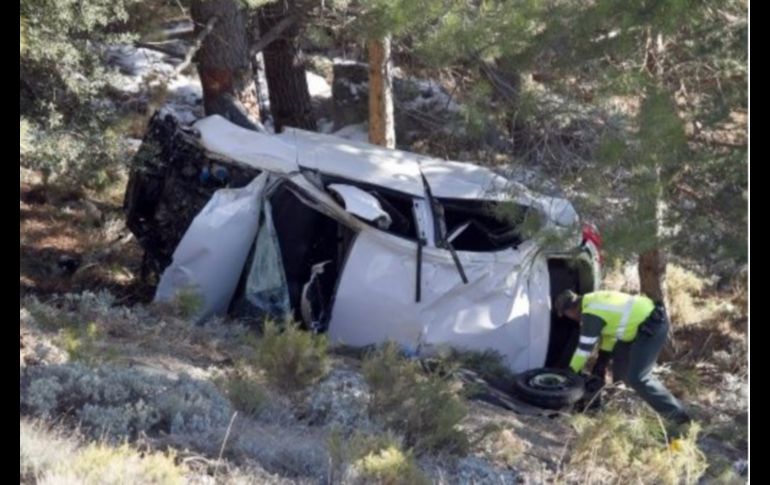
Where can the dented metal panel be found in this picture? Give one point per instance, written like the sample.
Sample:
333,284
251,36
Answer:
504,306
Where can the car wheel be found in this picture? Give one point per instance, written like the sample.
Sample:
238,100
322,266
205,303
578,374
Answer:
549,388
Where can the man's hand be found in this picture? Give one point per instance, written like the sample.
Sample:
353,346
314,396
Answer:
592,399
593,383
600,368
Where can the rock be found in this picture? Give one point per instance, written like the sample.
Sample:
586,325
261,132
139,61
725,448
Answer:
350,91
476,470
471,470
741,467
93,214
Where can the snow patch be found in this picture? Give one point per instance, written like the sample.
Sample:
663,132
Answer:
430,96
359,132
317,86
347,62
140,68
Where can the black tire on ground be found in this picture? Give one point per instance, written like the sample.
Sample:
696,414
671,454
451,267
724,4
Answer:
549,388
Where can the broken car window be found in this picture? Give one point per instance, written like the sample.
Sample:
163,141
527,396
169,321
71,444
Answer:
481,225
266,287
397,205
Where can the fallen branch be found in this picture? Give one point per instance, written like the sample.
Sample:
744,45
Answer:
187,34
224,442
195,47
274,33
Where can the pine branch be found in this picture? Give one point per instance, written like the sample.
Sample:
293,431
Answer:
195,47
273,35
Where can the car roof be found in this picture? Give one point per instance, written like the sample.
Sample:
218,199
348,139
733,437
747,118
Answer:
356,161
295,149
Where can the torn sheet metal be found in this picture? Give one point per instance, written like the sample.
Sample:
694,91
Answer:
362,204
259,150
210,257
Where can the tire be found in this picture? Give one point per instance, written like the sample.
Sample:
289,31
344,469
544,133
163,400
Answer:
549,388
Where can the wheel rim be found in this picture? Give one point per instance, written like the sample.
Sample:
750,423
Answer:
548,381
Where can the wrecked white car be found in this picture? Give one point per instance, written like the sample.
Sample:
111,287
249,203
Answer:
364,243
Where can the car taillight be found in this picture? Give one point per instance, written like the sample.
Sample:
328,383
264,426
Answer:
591,233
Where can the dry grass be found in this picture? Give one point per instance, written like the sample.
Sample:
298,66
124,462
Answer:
93,328
56,224
508,447
615,447
49,457
685,294
373,458
390,466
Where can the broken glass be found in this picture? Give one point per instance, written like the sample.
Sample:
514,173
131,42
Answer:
266,287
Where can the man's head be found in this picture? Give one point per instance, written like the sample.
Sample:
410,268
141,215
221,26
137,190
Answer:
567,304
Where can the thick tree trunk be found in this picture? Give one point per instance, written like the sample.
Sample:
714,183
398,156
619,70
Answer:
285,71
223,62
382,127
652,274
652,261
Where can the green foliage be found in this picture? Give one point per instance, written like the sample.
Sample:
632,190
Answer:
80,342
681,142
247,394
291,358
489,364
424,408
685,145
65,123
391,466
375,457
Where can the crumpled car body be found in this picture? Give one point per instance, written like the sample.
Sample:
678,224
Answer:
364,243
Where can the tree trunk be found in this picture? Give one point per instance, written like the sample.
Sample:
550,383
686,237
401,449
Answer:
382,129
652,274
652,262
285,72
223,62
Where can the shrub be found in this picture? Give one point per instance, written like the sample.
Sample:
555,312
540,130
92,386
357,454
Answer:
425,408
246,393
374,457
120,403
291,358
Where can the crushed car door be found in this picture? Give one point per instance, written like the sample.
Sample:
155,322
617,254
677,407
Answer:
209,259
